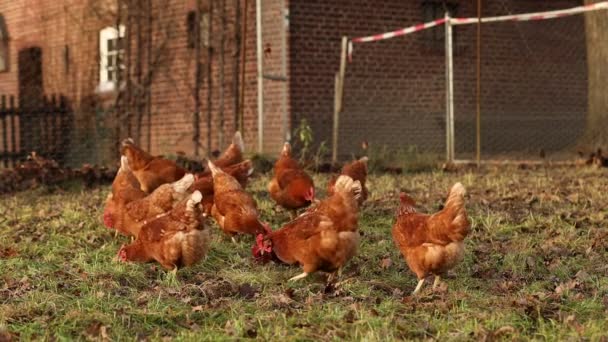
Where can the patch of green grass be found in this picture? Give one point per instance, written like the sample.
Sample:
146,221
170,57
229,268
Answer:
535,268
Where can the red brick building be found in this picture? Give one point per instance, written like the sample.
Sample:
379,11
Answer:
394,91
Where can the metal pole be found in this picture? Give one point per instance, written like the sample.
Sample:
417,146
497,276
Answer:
222,67
149,82
449,75
478,124
243,63
337,104
198,78
451,88
260,56
284,102
339,89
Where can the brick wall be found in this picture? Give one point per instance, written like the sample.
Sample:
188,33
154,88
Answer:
394,92
172,90
395,89
276,93
53,25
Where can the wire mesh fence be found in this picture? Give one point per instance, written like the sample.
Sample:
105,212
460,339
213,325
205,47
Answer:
533,74
395,95
39,127
176,81
533,88
185,80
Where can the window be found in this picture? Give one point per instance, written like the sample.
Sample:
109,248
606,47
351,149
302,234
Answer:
194,27
4,56
111,53
434,38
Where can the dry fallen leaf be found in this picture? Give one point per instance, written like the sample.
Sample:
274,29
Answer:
562,288
197,308
386,263
103,331
5,336
247,291
283,299
8,252
230,328
350,316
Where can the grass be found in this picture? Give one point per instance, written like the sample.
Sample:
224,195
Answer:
535,268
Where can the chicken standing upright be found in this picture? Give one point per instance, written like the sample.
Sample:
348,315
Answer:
291,187
150,171
356,170
323,238
175,239
432,244
234,210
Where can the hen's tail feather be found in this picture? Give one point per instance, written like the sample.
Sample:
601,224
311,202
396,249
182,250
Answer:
237,140
194,199
329,239
455,207
286,151
124,164
182,185
193,211
346,184
214,169
128,141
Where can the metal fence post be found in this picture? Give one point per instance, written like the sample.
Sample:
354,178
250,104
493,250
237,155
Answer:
339,94
260,65
449,75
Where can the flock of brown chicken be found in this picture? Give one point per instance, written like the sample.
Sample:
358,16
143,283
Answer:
165,209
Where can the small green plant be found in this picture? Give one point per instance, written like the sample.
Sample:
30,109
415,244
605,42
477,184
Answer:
305,138
322,151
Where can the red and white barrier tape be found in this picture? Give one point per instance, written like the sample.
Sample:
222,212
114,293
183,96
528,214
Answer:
533,16
467,21
397,33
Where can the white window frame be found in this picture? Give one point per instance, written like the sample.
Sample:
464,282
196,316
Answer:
106,34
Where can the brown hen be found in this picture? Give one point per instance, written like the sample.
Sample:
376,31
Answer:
356,170
125,186
175,239
323,238
233,154
204,183
432,244
128,218
234,210
291,187
150,171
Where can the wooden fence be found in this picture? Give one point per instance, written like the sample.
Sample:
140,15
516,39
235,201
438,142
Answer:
43,127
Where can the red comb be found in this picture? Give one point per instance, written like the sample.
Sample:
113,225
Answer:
122,254
107,220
